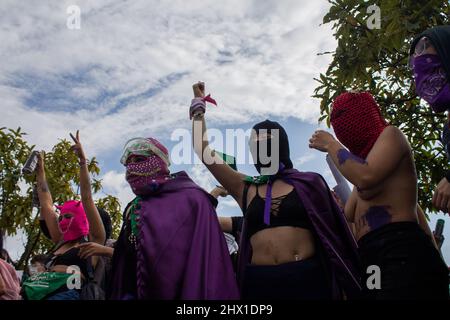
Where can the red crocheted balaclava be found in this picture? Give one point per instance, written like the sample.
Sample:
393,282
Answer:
357,121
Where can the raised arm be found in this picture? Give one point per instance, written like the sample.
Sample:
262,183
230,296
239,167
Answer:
46,202
231,180
382,160
96,229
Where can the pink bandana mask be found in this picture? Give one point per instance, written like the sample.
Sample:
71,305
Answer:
151,171
73,222
145,177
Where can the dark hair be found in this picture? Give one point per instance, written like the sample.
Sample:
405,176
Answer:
106,219
39,258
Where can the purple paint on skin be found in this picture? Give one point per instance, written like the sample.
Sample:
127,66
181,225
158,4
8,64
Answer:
344,155
377,216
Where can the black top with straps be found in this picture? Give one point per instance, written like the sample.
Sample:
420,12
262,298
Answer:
68,258
286,210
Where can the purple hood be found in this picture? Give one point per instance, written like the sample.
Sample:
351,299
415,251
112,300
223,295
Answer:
181,250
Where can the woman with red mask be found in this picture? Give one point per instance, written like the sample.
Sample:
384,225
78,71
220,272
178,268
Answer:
391,229
76,222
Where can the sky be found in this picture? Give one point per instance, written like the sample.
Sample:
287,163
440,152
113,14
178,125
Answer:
128,72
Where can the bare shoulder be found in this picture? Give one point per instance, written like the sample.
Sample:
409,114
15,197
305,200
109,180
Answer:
392,132
393,136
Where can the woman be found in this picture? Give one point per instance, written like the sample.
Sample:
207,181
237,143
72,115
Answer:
295,243
77,222
391,229
170,246
430,62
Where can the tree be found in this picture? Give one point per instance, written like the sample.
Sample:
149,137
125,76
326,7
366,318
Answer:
376,60
62,172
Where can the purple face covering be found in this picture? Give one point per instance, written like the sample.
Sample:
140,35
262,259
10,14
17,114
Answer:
431,82
147,176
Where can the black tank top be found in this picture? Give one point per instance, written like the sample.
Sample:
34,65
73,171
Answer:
286,210
69,258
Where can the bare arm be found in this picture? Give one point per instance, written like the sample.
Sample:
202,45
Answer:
382,160
231,180
46,202
226,224
219,191
96,229
91,249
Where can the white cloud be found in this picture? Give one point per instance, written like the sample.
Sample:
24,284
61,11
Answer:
129,70
257,60
201,176
305,158
114,183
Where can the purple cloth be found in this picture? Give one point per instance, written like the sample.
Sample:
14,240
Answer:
181,251
431,82
330,228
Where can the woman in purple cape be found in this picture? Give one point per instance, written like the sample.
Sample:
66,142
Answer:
170,245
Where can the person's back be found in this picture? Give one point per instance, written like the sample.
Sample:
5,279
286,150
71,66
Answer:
9,282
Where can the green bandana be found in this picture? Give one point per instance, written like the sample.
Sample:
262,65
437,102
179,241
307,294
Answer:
41,285
257,179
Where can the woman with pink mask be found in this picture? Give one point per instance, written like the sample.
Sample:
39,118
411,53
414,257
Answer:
77,222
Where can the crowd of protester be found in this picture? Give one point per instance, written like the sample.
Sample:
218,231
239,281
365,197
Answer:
296,238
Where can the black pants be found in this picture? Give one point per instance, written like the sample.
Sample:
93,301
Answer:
410,265
299,280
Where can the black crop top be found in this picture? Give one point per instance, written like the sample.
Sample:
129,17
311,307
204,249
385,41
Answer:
287,210
69,258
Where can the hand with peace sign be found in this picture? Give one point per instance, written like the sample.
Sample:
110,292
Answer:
77,147
96,229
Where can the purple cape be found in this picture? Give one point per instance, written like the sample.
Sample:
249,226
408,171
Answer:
330,228
181,250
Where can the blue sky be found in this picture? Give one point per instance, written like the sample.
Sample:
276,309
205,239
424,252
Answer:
129,69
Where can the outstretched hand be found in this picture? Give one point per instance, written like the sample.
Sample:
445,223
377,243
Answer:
219,191
77,147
